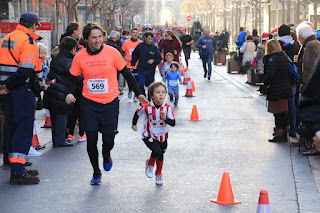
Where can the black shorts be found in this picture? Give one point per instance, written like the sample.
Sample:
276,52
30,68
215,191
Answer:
100,117
155,145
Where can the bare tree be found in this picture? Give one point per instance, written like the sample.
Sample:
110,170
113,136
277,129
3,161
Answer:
71,8
133,8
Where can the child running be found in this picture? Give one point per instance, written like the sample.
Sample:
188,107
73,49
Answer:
171,79
166,65
155,130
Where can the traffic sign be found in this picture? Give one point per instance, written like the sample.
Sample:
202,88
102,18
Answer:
189,18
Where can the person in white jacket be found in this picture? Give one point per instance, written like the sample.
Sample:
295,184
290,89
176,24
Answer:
248,48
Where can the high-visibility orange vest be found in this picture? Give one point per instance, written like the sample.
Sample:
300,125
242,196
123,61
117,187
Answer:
24,52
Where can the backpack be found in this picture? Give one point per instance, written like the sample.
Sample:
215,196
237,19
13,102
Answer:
293,69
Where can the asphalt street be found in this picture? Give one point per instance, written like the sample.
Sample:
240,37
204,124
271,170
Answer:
231,136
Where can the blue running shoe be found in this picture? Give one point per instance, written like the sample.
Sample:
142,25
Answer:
108,166
96,179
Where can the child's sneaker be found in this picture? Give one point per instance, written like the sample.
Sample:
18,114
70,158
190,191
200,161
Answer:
70,138
159,179
175,105
135,99
108,165
96,179
149,170
82,138
129,94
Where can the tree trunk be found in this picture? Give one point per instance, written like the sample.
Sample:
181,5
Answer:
70,14
76,14
57,21
288,11
269,15
245,16
253,18
94,17
315,16
224,15
298,12
282,11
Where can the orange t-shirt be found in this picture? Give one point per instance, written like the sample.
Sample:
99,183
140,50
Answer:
99,71
128,46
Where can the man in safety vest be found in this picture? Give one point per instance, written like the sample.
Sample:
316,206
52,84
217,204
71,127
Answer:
19,59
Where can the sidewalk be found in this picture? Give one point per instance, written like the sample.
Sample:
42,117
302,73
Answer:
308,189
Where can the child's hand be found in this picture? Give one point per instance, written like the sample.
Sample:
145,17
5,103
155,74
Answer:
163,115
134,127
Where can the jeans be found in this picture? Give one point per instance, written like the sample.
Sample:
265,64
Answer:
145,80
292,111
207,59
172,91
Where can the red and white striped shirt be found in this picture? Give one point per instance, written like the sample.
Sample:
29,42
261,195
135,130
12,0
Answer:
153,126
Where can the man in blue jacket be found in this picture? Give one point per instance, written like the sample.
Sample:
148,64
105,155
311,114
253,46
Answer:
206,43
149,57
241,37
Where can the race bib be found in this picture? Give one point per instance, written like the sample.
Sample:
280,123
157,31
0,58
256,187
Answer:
131,51
98,85
173,83
158,130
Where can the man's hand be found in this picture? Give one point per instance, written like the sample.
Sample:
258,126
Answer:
175,52
150,61
70,99
204,47
127,59
3,90
163,115
295,58
142,99
216,52
301,88
134,127
46,86
316,141
131,69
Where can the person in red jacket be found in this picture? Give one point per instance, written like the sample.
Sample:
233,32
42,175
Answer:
171,44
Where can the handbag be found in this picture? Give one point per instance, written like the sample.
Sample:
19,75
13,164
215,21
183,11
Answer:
293,69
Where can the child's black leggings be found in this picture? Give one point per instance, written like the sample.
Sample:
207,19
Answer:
107,145
157,148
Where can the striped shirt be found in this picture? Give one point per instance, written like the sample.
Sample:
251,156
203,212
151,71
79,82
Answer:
153,126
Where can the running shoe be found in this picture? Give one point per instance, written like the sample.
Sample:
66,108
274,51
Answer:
135,99
171,98
70,138
159,179
149,170
82,138
108,165
96,179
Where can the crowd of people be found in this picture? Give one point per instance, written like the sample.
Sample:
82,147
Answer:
90,67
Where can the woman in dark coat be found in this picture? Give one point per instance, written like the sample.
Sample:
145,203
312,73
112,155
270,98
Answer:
171,44
278,88
54,96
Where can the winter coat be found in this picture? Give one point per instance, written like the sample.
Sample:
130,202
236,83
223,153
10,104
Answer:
248,48
291,50
277,76
54,96
241,39
169,46
309,105
144,52
307,57
261,49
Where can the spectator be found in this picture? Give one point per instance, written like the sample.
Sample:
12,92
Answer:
261,49
278,93
241,38
308,53
113,41
309,110
171,44
247,49
224,37
256,38
207,43
54,97
291,48
149,57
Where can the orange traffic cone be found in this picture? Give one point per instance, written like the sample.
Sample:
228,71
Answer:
189,89
185,77
263,204
225,196
35,141
194,114
47,123
192,86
